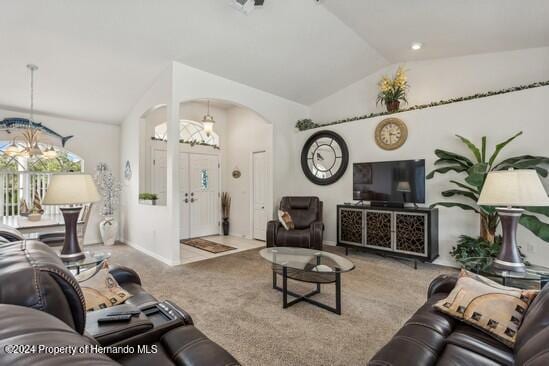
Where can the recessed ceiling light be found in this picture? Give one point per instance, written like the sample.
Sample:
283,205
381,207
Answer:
416,46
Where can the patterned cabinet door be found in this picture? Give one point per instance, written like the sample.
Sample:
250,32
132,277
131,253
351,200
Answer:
378,229
411,233
351,226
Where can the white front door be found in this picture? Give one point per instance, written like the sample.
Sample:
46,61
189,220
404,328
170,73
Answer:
204,195
159,182
184,225
259,194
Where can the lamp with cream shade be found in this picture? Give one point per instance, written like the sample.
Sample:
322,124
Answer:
72,189
509,190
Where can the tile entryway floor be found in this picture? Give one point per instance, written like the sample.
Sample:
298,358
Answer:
190,254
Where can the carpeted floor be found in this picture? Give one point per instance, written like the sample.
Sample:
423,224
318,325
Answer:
231,300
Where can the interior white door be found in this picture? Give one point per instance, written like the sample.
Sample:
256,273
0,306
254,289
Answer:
204,195
159,182
259,195
184,225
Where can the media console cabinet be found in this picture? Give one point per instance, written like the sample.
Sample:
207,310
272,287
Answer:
398,232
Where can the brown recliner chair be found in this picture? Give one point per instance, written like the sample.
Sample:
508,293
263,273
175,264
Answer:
306,213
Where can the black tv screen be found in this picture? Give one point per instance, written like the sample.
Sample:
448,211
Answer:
390,181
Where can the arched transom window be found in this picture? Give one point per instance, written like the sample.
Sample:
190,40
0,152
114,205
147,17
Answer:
189,131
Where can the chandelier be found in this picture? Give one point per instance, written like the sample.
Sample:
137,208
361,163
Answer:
29,147
208,122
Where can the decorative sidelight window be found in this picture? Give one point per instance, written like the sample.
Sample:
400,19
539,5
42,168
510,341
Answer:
204,179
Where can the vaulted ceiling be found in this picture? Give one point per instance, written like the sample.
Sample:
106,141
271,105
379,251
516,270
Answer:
97,57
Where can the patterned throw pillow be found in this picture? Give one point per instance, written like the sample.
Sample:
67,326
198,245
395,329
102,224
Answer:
495,309
286,220
100,288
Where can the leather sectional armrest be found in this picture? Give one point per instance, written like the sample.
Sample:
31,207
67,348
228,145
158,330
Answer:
442,284
110,333
124,275
317,229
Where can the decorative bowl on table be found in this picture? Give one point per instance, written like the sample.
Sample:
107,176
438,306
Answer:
34,217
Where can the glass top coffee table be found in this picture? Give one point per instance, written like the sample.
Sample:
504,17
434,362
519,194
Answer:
307,265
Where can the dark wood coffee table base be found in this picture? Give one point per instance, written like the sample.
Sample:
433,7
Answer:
307,297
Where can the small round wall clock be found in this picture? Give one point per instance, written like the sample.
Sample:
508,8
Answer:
324,157
391,133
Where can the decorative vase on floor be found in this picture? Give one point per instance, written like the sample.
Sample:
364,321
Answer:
225,225
393,106
108,228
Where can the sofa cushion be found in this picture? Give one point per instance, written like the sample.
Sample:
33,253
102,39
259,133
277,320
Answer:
458,356
296,238
429,317
465,336
495,309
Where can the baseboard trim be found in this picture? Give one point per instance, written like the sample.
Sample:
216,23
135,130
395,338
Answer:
149,253
330,243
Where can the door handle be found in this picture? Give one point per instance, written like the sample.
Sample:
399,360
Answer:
186,200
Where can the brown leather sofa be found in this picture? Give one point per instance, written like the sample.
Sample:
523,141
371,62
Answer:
432,338
41,303
306,213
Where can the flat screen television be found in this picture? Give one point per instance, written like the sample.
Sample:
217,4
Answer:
394,182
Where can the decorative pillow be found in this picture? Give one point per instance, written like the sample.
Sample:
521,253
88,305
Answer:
495,309
100,288
286,220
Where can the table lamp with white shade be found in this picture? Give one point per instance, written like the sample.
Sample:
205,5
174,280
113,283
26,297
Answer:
509,190
71,189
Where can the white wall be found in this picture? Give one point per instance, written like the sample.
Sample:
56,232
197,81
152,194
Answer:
147,228
438,79
497,117
246,133
93,142
154,230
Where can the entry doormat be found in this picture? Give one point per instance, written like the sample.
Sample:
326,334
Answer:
206,245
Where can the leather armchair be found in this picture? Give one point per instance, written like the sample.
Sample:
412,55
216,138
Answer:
306,213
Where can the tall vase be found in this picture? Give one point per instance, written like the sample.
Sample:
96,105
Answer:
225,225
108,228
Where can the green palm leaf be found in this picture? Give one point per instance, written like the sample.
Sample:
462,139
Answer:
477,174
514,160
501,146
471,147
464,186
538,210
446,169
463,206
443,154
483,149
536,226
459,192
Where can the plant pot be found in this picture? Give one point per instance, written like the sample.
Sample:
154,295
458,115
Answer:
392,106
108,227
148,202
34,217
225,225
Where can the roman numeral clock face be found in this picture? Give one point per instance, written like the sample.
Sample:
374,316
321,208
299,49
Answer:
324,157
391,133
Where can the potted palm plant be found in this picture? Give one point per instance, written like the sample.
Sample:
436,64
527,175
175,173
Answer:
225,211
475,169
393,90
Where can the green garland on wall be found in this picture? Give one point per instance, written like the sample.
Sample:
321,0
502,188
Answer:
307,124
192,143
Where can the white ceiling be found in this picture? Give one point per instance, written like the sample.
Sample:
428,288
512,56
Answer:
446,27
97,57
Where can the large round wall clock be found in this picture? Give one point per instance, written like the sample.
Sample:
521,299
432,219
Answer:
324,157
391,133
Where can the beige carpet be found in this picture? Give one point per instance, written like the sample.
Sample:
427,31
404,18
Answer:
232,301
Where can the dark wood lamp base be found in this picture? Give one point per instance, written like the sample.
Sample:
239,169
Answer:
71,249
